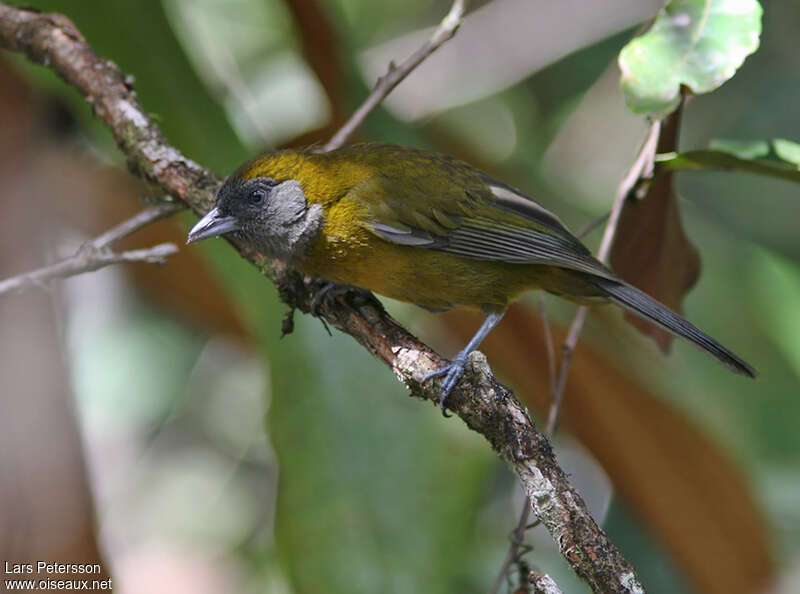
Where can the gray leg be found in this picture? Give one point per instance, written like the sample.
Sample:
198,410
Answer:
453,371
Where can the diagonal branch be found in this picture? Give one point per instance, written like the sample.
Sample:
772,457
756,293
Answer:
395,75
97,253
484,405
136,222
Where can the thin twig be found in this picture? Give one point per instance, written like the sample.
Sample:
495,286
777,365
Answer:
517,537
132,225
97,253
548,341
395,74
592,225
642,167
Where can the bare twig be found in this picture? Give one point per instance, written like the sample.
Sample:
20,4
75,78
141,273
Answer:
97,253
484,405
444,32
592,225
642,167
86,259
513,554
567,349
138,221
548,342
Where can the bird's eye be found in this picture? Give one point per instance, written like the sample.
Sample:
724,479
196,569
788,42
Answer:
257,196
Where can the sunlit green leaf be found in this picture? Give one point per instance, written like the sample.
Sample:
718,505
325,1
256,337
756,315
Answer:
787,150
696,43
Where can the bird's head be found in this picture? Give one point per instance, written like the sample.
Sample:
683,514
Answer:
265,206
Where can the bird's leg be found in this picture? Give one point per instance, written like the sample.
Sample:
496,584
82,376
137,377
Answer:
455,369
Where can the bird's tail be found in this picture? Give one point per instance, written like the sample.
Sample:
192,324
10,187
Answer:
648,308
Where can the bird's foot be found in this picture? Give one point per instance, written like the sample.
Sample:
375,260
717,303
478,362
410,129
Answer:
452,373
329,290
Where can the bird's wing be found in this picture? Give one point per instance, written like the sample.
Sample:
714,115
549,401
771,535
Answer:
477,217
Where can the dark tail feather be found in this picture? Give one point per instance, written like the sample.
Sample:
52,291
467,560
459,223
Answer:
648,308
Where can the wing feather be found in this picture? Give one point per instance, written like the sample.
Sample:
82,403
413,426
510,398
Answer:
474,217
521,245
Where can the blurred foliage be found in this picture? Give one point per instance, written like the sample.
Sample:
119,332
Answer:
738,158
375,491
142,42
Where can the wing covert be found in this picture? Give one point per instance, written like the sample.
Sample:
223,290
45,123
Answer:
472,216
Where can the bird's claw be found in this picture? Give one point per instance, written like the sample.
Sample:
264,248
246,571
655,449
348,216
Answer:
452,373
330,290
327,290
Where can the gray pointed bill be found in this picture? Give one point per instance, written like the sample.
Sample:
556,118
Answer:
211,225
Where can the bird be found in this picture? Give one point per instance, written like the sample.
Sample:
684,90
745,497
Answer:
424,228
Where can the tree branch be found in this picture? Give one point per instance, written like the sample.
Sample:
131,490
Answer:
543,583
395,75
484,405
97,253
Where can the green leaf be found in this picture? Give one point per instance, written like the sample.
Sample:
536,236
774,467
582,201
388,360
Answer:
744,149
787,150
696,43
710,159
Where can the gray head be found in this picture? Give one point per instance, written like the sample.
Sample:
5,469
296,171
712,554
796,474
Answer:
273,217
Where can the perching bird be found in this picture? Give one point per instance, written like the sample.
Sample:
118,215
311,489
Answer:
424,228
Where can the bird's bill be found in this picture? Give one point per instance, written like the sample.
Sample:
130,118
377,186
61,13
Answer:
211,225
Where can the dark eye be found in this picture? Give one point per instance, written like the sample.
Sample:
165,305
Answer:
257,196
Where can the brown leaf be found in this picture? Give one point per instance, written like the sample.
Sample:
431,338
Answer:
322,51
652,251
